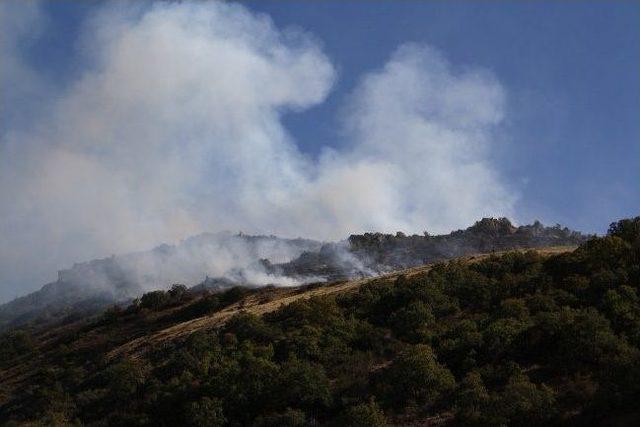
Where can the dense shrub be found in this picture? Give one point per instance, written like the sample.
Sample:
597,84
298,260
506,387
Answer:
16,343
520,339
364,415
155,300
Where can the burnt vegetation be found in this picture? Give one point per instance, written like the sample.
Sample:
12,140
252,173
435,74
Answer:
512,339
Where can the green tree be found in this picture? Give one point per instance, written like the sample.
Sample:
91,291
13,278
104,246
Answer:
206,412
622,307
523,403
125,379
178,293
416,376
471,399
15,343
413,321
626,229
366,414
154,300
303,384
289,418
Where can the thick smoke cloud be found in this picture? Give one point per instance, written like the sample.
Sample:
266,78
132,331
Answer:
175,128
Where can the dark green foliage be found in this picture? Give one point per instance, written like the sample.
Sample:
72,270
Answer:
288,418
487,235
111,314
14,344
520,339
415,377
202,306
125,381
626,229
159,300
364,415
208,303
471,399
155,300
521,403
206,412
233,295
178,293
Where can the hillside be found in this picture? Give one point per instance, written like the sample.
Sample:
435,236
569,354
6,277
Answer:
89,287
223,260
530,337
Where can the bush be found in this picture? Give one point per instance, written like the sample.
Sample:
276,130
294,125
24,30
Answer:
523,403
289,418
125,379
200,307
233,295
365,415
416,376
206,412
155,300
178,294
16,343
471,399
626,229
303,384
111,314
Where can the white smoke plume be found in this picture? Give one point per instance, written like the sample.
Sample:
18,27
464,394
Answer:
218,255
174,127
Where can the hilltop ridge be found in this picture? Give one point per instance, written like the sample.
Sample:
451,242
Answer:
222,260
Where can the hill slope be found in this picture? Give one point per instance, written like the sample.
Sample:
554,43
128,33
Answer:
223,260
88,287
140,330
522,338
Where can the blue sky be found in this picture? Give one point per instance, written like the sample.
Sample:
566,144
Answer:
132,124
571,69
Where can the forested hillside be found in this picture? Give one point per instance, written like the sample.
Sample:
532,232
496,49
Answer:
223,260
522,338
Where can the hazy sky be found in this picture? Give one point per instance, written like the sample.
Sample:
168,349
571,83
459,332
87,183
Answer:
127,124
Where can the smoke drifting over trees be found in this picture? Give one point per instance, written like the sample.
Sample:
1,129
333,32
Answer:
173,127
224,260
